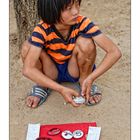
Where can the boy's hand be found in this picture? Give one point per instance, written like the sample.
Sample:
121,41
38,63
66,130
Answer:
86,87
68,95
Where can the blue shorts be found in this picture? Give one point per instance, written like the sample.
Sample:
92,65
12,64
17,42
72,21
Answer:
63,74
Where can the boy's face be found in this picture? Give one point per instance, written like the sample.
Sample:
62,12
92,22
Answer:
70,14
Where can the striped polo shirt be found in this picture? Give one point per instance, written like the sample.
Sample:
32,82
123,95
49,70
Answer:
60,49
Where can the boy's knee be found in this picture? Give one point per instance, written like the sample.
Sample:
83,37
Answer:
86,45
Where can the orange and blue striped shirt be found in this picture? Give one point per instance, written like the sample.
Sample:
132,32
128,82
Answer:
60,49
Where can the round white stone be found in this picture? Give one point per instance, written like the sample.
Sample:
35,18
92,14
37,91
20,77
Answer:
67,134
78,134
79,100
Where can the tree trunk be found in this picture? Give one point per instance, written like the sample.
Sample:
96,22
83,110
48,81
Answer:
26,17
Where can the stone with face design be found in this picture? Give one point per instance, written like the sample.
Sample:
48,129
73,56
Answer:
78,134
67,134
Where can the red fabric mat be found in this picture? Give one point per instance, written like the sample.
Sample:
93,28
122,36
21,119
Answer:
71,126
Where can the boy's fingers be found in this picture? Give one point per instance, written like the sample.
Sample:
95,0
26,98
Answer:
83,93
87,96
76,94
87,93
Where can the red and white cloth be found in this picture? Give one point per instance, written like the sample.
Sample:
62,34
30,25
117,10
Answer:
37,130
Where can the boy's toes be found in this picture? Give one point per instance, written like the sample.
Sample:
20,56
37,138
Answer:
35,102
29,101
32,101
95,99
92,100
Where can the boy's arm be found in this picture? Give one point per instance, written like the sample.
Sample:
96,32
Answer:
112,55
30,71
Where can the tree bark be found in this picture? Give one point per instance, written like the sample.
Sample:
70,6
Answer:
26,17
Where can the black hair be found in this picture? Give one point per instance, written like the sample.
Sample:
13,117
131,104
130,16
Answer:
50,10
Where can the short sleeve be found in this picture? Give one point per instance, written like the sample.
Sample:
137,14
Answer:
37,37
88,29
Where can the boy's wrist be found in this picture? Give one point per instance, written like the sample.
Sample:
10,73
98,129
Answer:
91,77
60,89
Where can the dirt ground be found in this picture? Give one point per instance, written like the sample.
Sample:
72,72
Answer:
113,113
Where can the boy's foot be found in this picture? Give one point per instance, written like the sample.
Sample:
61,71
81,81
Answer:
95,97
37,97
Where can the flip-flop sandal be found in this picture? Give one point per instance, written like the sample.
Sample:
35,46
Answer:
94,91
40,92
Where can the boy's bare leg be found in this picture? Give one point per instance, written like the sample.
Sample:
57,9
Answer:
45,64
82,60
86,54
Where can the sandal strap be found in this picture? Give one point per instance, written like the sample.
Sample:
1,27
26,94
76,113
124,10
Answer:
95,90
39,91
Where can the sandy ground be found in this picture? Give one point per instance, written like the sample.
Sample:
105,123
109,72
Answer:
113,113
